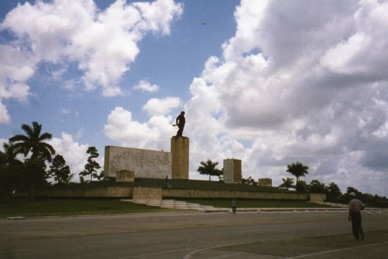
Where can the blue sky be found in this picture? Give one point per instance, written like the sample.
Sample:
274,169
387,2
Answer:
267,82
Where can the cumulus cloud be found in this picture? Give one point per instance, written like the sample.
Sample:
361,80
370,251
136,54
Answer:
67,31
4,116
16,67
163,106
144,85
73,152
126,131
295,84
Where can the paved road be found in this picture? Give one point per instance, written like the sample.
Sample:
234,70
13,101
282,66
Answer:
194,235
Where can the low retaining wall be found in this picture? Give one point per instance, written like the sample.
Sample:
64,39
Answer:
317,197
152,193
140,193
101,192
209,194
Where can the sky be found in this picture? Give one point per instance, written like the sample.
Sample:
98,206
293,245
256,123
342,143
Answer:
268,82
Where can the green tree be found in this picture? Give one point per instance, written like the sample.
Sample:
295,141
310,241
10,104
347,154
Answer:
34,142
287,183
249,181
68,179
11,169
316,186
8,156
210,168
59,170
333,192
297,169
301,186
92,166
35,175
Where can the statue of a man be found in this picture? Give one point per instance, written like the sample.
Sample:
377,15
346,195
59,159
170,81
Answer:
180,122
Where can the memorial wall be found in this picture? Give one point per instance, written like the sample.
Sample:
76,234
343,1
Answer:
144,163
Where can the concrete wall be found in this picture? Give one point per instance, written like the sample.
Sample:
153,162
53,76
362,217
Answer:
317,197
153,193
265,182
101,192
209,194
125,176
140,193
144,163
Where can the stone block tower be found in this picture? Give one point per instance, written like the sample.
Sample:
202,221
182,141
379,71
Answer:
180,157
232,171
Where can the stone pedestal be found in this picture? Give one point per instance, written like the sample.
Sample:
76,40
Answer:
180,157
232,171
265,182
125,176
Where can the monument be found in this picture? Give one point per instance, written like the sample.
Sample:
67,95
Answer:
180,121
125,163
232,171
142,162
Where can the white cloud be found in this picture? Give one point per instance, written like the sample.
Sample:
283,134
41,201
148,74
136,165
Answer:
363,52
153,134
163,106
146,86
280,94
73,152
76,31
4,116
16,67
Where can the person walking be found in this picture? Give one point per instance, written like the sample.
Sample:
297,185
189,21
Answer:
234,206
355,208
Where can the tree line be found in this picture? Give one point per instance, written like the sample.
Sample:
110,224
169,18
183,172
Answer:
297,169
40,163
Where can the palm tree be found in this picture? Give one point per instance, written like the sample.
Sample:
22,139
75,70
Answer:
11,170
209,167
297,169
33,142
8,156
287,183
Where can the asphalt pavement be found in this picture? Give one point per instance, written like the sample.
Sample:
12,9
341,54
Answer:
195,234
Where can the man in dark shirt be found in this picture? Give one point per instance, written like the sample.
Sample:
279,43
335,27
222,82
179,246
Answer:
180,122
355,208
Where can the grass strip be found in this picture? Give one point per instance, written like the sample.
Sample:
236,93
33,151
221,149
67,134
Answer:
53,207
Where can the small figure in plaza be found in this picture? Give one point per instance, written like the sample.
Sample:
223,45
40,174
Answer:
234,206
180,122
167,182
355,208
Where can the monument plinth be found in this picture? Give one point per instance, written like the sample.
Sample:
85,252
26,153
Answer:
180,157
232,171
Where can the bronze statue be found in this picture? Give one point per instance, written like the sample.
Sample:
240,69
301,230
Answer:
180,122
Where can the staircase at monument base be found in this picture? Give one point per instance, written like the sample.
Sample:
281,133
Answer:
174,204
